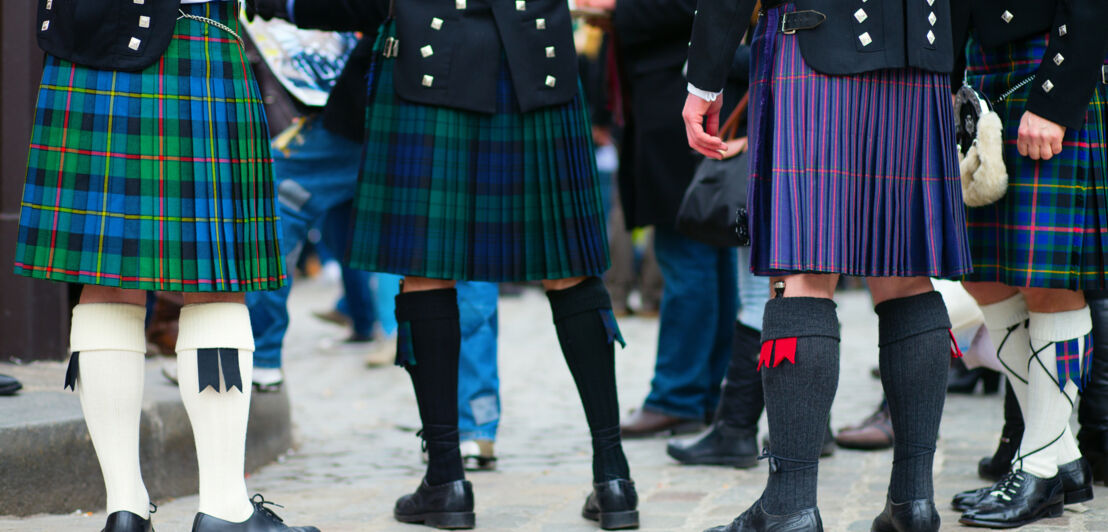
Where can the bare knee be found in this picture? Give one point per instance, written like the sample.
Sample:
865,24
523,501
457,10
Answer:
882,289
820,285
1053,299
989,293
92,293
196,298
562,284
420,284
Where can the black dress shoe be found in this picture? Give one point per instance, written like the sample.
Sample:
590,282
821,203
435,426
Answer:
9,385
721,444
447,506
124,521
756,519
1077,486
919,515
1019,499
262,520
614,504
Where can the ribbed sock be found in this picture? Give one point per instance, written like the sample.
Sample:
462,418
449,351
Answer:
741,398
587,332
798,395
429,325
914,340
215,350
109,342
1049,406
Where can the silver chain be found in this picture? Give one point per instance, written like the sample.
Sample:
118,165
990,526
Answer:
1009,92
215,23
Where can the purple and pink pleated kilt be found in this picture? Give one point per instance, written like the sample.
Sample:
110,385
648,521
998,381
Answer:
856,175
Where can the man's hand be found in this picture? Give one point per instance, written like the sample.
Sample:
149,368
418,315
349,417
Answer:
1039,138
606,5
702,125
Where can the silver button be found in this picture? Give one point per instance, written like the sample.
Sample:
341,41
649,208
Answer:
1047,86
932,18
930,36
45,25
540,23
550,81
930,2
1058,58
549,51
459,4
134,44
860,15
49,5
865,39
426,51
521,5
428,80
436,23
1007,16
1062,31
140,2
144,21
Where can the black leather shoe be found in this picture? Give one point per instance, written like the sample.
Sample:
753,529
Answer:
9,385
447,506
263,520
614,504
721,444
919,515
1019,499
756,519
1077,486
124,521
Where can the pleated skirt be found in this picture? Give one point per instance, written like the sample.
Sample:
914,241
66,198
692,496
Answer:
155,180
451,194
856,175
1050,230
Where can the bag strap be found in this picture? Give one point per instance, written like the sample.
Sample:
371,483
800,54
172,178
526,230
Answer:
727,132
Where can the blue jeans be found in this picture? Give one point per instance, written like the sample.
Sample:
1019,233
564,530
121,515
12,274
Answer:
317,173
695,326
753,293
478,382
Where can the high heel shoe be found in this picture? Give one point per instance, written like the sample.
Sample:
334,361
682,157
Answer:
994,467
964,381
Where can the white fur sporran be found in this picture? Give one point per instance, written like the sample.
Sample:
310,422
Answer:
980,149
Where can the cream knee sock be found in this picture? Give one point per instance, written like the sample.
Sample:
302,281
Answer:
1049,408
218,415
110,344
1006,323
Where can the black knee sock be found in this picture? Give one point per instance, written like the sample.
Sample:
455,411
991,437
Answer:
800,372
914,340
428,345
741,401
586,332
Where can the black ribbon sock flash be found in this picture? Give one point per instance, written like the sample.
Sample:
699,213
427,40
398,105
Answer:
208,363
71,371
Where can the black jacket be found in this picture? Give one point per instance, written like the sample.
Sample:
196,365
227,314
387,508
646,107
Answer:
450,51
854,36
1073,63
344,113
107,34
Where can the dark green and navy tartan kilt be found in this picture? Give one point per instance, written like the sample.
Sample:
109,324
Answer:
156,180
1051,228
450,194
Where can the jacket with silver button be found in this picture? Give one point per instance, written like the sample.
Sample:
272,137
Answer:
1076,54
449,52
125,35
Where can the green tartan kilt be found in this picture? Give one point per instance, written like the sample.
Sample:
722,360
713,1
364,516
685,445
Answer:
155,180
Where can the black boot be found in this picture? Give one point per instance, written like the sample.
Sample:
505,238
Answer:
613,504
446,506
124,521
1077,486
262,520
1092,413
919,515
756,519
996,466
1019,499
732,437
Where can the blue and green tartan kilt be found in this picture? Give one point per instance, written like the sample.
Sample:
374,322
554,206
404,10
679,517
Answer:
1050,230
156,180
452,194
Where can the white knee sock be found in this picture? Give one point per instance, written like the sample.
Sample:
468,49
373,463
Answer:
1006,321
218,416
111,344
1048,411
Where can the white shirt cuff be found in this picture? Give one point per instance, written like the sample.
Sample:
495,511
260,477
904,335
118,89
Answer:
703,95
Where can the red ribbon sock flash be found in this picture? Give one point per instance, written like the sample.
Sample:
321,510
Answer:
775,351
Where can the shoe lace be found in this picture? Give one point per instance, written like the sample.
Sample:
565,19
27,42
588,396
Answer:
1008,486
259,503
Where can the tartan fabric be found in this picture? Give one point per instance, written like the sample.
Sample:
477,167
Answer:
855,175
156,180
1050,230
450,194
1073,357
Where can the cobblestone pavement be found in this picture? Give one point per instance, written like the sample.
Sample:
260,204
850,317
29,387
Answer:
357,449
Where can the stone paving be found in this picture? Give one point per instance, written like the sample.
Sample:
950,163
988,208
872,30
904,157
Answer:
357,450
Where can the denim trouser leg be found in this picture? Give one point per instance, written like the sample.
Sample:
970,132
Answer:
478,382
358,301
753,293
315,172
695,326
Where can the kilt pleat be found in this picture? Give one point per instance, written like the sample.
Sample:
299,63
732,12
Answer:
856,174
1050,230
451,194
156,180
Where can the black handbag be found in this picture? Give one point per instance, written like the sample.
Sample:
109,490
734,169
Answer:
713,210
